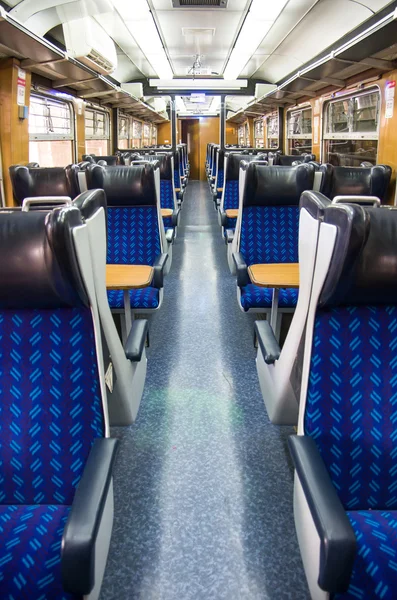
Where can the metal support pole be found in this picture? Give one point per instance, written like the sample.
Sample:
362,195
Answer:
223,122
173,122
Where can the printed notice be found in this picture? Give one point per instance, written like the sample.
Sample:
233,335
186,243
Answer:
21,87
390,90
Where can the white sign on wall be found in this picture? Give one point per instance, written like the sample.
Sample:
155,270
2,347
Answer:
390,90
21,87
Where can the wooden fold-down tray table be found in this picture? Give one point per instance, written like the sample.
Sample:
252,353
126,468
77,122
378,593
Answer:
276,276
231,213
166,212
126,278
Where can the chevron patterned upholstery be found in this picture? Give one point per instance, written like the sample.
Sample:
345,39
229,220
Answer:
133,235
30,540
148,297
375,566
253,296
48,370
166,194
221,178
177,179
269,234
357,443
231,195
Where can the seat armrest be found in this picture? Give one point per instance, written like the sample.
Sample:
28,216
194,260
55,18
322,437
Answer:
267,342
136,340
158,268
338,544
242,269
175,216
223,218
170,235
229,236
82,527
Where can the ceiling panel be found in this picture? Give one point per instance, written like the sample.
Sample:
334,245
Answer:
214,48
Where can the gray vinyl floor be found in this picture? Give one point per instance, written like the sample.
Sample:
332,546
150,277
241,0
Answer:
203,481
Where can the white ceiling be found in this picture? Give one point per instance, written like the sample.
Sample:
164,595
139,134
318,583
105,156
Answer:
302,30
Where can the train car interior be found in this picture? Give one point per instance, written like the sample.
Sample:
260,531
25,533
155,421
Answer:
198,300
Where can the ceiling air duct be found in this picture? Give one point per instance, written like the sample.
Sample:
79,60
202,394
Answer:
199,3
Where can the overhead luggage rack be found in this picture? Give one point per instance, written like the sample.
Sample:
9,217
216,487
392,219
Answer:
65,72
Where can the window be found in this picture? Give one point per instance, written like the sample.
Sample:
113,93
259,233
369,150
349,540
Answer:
154,135
259,133
97,132
244,134
299,130
272,136
123,137
146,134
136,134
51,131
351,129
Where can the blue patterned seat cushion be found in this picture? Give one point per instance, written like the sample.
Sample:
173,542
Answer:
221,178
375,567
231,195
177,179
30,552
133,235
253,296
351,403
269,234
50,403
148,297
166,194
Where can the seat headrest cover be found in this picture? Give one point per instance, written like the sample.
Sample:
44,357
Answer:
163,161
111,161
363,267
38,263
90,201
46,181
233,164
314,203
355,181
276,185
125,186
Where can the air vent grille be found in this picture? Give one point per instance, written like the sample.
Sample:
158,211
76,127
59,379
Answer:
199,3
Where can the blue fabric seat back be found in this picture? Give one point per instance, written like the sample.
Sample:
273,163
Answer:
133,235
51,408
351,405
270,217
133,222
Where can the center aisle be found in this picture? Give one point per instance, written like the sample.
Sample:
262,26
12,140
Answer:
203,482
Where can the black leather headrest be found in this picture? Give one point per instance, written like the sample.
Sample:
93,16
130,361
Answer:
38,263
233,164
83,165
276,185
88,158
125,186
355,181
314,203
111,161
286,160
90,201
33,165
363,267
47,181
221,159
164,162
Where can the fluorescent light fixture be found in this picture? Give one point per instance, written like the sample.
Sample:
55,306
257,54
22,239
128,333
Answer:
216,103
258,21
201,84
198,98
140,23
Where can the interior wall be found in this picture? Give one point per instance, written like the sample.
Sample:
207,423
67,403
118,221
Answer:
164,133
209,133
14,132
231,134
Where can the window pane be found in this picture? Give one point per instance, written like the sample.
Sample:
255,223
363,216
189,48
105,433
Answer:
52,153
123,128
272,131
123,144
49,117
350,152
365,112
299,146
96,124
97,147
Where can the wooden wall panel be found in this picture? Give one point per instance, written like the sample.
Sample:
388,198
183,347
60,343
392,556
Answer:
79,107
231,133
164,133
209,132
14,132
387,146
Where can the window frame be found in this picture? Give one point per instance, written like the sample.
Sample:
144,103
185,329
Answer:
352,135
94,136
127,118
300,136
54,137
